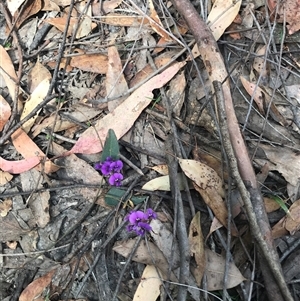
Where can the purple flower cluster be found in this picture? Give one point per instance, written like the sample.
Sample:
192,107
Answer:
112,169
139,221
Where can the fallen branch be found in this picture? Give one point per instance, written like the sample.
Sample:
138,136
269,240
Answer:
239,160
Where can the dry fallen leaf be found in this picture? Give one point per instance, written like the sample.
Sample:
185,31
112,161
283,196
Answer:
284,160
163,183
157,25
203,175
5,207
288,11
96,63
115,82
123,20
142,255
8,73
5,112
39,202
35,99
196,242
222,15
292,223
17,167
127,112
36,75
10,229
5,177
149,287
215,267
29,9
166,242
176,92
31,151
215,202
36,287
14,5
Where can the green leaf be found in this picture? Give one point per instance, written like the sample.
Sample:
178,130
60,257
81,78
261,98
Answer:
138,199
111,147
281,203
113,196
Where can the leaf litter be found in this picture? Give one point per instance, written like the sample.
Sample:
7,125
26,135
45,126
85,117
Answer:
123,68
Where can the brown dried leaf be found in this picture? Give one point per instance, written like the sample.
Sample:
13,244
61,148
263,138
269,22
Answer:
142,254
215,202
165,241
39,202
133,106
5,177
222,15
202,175
292,223
157,25
30,9
149,287
123,20
17,167
5,112
60,24
5,207
256,92
284,160
176,92
34,100
49,5
196,242
289,11
279,230
36,75
261,65
8,73
215,267
115,82
35,288
96,63
10,228
19,139
159,61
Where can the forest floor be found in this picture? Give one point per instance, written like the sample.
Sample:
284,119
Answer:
116,179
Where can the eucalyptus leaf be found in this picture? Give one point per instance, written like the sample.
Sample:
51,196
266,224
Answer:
113,196
111,146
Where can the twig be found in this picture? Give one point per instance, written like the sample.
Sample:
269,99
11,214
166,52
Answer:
269,253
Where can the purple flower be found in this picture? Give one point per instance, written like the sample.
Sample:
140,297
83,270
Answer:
98,166
112,169
116,166
135,217
139,221
151,214
115,179
105,168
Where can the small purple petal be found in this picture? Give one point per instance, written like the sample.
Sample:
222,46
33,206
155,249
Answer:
98,166
105,168
115,179
151,214
116,166
141,228
136,216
